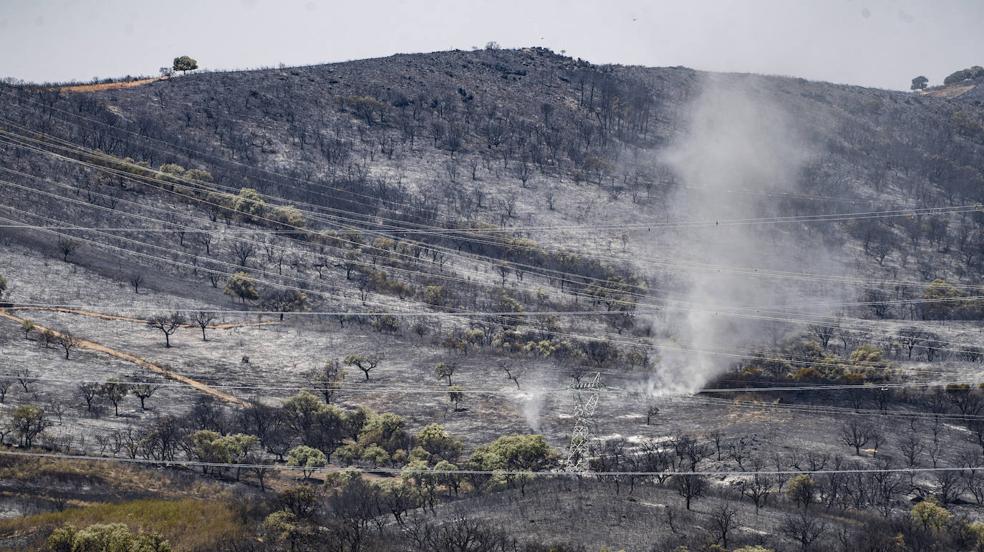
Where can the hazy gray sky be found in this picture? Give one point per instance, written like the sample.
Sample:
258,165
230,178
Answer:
870,42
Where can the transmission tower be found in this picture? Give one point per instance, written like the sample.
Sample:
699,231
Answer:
585,404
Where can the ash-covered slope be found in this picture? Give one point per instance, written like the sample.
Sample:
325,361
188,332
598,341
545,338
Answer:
563,152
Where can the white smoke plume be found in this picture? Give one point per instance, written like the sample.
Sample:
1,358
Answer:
739,152
533,401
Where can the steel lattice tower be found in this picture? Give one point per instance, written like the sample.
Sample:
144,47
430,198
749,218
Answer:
585,404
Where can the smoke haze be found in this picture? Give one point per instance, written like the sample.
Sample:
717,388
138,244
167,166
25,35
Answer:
739,150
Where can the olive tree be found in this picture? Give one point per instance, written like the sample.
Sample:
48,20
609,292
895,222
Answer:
241,286
444,370
802,490
105,536
436,440
285,300
184,64
309,459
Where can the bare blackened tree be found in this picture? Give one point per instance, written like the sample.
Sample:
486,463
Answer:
739,451
162,439
948,486
5,384
352,511
67,247
512,373
144,391
691,452
759,487
67,342
136,280
167,323
855,433
203,319
912,448
88,391
205,239
803,528
690,486
600,352
823,333
366,363
724,520
243,250
327,379
909,338
114,391
651,412
25,378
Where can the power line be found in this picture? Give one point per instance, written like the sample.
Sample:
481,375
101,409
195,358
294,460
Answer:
828,410
366,196
825,215
484,283
655,261
138,178
829,217
521,473
432,275
595,256
903,212
427,274
153,246
923,343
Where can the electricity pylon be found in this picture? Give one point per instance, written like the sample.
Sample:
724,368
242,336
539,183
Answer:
585,404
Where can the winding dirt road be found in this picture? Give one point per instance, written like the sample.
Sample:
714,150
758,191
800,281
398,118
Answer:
138,361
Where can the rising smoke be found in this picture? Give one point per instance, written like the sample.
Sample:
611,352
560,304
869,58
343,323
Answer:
739,153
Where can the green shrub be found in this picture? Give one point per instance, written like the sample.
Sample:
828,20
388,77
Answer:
307,458
241,286
375,455
930,515
249,204
112,537
289,215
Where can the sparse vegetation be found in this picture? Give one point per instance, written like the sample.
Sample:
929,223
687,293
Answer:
241,286
479,234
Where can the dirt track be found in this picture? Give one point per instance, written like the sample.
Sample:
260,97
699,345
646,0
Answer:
84,88
104,316
139,361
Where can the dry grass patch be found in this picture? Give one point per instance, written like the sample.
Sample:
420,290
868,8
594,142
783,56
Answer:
188,524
